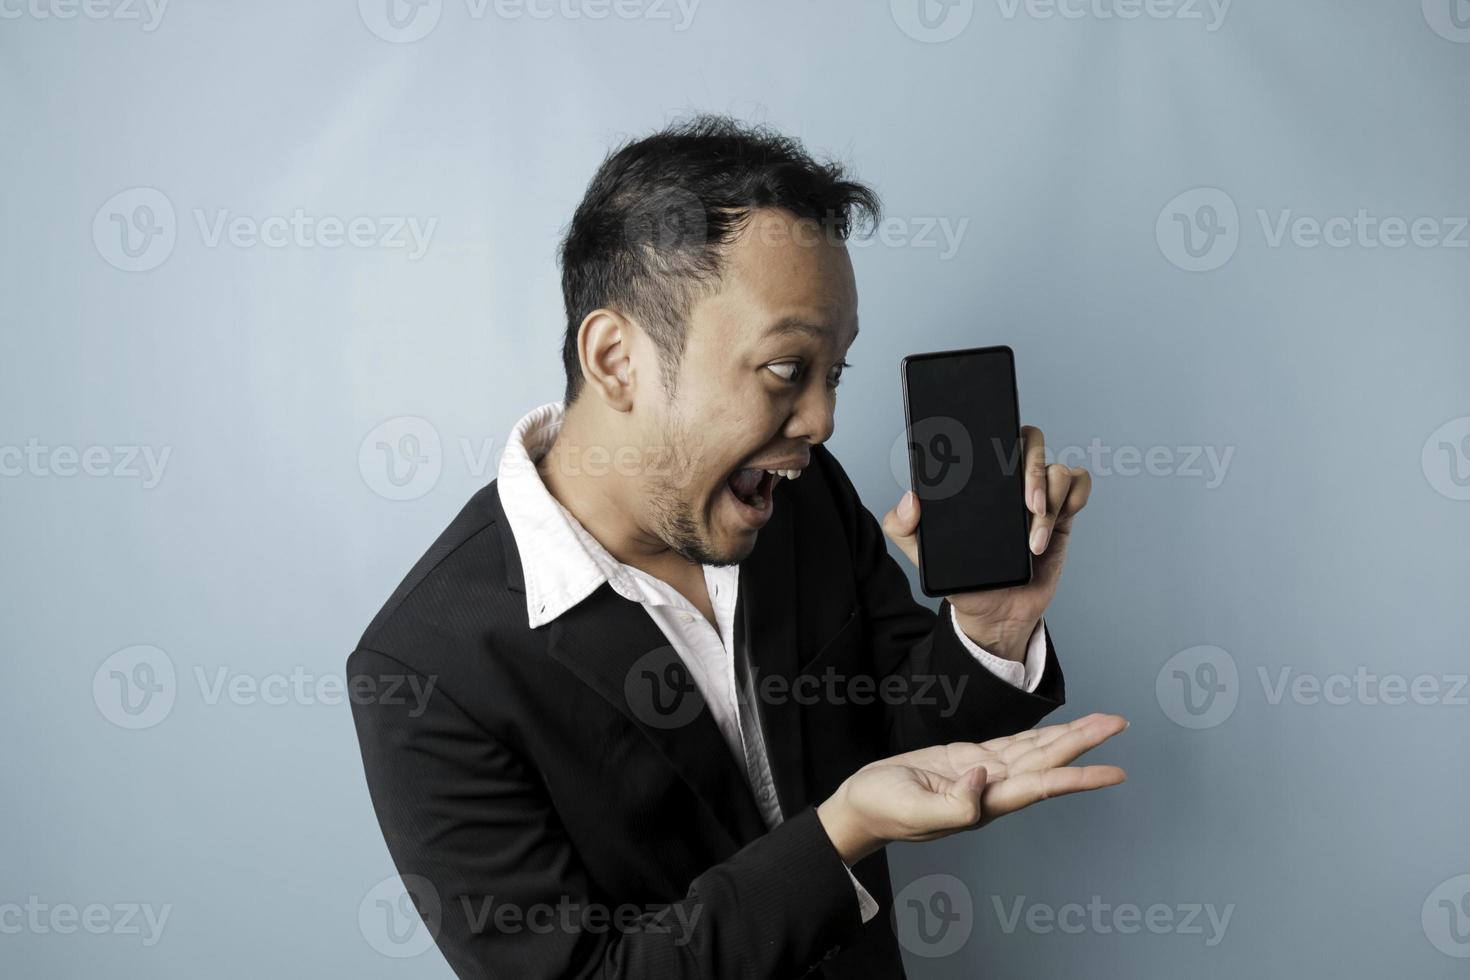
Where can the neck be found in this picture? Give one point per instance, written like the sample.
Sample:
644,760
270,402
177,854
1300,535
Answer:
597,495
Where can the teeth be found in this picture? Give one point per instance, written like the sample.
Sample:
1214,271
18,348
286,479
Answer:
788,474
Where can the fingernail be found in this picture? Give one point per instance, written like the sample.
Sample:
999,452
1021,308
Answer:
1038,540
906,505
1038,502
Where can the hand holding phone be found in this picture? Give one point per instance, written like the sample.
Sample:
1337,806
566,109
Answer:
965,466
992,521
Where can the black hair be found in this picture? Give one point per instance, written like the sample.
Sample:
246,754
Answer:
651,230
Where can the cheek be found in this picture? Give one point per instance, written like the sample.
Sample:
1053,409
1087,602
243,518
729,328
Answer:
717,430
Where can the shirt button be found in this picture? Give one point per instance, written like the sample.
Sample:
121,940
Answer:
685,618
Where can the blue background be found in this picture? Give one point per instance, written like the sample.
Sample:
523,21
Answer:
1335,538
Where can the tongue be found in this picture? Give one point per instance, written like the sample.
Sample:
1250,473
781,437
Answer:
746,481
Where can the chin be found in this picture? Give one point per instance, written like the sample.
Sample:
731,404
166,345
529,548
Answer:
726,549
739,551
720,545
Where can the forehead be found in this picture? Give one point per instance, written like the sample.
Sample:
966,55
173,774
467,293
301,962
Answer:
780,274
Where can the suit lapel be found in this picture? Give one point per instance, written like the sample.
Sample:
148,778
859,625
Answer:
768,618
616,649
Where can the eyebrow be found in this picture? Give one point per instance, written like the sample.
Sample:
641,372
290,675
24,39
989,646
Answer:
797,325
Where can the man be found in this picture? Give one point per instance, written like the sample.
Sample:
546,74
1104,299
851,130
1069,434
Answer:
647,751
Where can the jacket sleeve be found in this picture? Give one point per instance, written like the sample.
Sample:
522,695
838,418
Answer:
909,640
505,895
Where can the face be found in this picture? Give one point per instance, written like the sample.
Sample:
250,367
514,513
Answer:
756,387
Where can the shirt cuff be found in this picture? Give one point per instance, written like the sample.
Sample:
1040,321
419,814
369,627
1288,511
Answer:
1025,676
866,905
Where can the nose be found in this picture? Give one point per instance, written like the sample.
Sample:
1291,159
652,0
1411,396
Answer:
812,419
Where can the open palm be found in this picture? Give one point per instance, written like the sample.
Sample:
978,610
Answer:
937,791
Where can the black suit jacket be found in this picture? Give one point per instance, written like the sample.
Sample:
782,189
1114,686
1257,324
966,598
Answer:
544,798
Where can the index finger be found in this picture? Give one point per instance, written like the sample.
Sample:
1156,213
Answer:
1019,792
1034,449
1071,744
1033,736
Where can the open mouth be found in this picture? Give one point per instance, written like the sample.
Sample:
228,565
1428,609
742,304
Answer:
752,488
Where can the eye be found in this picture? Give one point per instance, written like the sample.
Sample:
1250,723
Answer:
787,371
835,377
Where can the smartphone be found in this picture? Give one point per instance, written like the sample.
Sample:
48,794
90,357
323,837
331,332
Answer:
963,421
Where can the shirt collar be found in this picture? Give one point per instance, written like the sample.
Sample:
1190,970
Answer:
562,563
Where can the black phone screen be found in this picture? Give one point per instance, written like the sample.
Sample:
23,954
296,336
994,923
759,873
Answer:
964,436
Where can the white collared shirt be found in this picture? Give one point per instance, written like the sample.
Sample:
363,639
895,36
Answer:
563,564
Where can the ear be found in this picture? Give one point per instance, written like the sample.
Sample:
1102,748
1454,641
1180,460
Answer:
605,345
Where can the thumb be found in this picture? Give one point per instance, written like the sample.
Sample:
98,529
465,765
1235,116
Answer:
901,524
965,795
